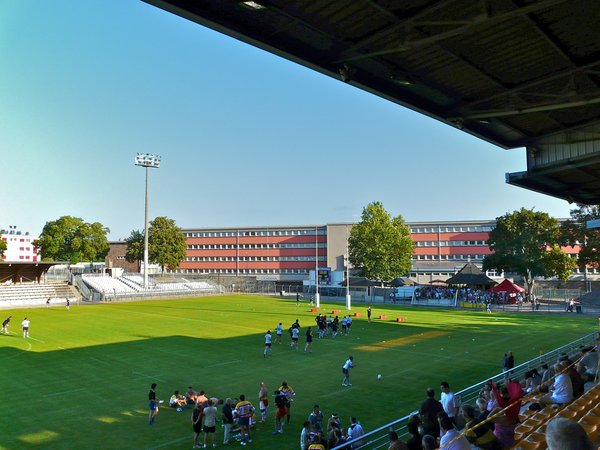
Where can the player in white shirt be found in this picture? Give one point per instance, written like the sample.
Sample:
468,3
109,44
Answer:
346,371
25,325
268,350
295,334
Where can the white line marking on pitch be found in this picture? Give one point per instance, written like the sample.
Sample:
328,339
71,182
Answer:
149,376
36,340
225,363
54,394
100,361
166,444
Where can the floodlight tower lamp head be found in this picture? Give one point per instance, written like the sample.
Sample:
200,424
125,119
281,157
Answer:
147,160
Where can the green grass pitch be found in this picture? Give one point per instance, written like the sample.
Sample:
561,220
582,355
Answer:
81,380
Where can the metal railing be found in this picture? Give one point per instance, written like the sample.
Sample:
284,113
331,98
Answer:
378,438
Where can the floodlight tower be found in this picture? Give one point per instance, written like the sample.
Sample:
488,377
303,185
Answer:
148,161
317,296
347,261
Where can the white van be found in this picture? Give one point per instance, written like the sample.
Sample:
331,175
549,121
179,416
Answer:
403,293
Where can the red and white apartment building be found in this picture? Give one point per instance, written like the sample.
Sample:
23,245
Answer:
19,245
289,253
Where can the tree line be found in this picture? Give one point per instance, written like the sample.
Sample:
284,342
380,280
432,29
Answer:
73,240
524,242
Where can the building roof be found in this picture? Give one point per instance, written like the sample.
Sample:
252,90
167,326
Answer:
470,275
27,270
512,72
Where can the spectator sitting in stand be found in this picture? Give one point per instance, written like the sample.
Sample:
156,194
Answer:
480,436
565,434
395,443
412,426
533,380
588,364
561,390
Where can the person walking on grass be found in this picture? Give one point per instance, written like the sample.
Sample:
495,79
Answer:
309,341
5,325
349,364
153,404
279,333
268,350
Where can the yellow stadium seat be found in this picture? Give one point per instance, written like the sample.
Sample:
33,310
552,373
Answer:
567,413
590,418
529,445
592,430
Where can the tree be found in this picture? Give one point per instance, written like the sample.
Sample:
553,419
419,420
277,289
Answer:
71,239
526,242
166,243
3,247
135,248
380,246
575,232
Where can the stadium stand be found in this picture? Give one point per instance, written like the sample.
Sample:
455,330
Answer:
132,286
530,432
32,294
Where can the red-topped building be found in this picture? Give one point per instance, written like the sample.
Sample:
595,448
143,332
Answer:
281,253
289,253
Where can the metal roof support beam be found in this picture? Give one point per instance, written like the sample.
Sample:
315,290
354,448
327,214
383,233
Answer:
516,112
480,20
530,84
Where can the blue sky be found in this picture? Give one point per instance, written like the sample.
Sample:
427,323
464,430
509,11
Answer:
246,138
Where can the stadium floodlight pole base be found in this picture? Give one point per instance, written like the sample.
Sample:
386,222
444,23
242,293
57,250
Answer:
317,300
348,302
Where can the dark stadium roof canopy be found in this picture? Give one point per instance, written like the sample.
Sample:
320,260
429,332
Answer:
517,73
17,271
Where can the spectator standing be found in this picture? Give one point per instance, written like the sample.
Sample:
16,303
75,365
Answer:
305,436
428,413
449,401
355,431
210,423
316,419
508,363
197,423
227,416
369,311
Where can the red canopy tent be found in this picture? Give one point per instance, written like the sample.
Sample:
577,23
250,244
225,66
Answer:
507,286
